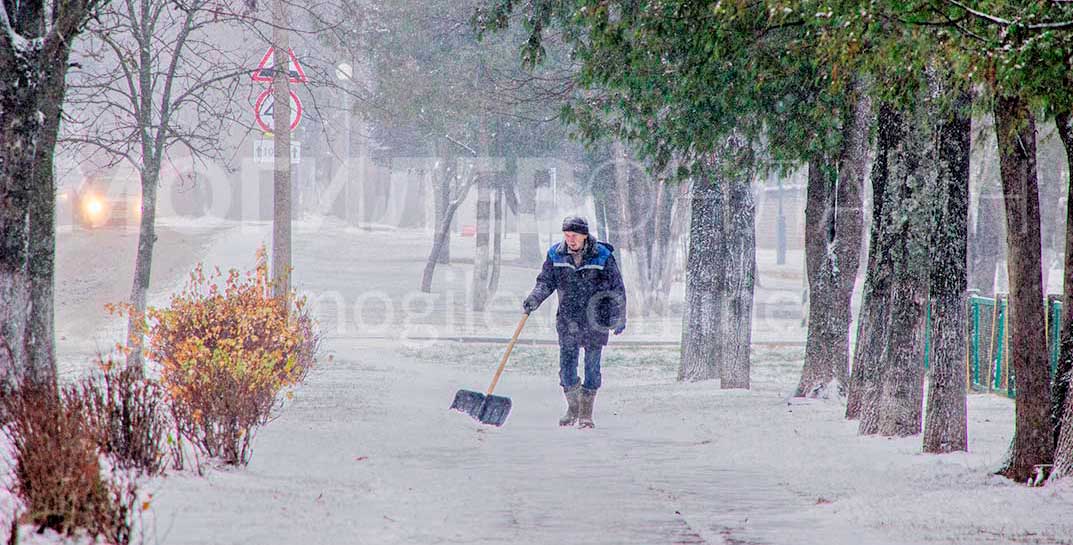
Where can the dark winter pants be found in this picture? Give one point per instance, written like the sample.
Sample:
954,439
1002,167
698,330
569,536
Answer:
568,361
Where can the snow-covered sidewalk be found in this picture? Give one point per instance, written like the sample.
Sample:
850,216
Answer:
368,453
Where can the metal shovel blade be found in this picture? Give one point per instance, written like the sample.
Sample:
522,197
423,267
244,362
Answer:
487,409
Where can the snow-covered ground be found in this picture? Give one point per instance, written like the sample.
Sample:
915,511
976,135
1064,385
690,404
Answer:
368,453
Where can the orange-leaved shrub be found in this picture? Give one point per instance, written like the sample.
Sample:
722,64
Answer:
227,350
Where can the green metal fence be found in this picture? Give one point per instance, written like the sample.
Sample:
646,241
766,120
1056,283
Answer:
988,365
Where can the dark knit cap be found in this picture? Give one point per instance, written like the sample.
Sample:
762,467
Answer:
576,224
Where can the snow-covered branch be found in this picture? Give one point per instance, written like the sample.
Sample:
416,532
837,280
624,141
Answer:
994,19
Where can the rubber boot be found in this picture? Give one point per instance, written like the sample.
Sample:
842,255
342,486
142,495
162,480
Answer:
573,400
588,398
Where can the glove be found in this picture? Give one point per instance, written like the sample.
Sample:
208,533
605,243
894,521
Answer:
530,304
619,329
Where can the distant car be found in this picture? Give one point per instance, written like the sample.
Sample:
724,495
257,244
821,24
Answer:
105,202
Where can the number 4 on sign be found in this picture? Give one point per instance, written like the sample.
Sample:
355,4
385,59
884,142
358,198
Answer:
266,104
266,69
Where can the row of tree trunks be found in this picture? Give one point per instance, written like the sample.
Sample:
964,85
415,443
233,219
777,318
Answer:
1033,442
945,421
833,224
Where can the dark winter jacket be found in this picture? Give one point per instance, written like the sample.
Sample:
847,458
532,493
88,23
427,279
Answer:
592,299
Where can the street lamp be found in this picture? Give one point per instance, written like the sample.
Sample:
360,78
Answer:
344,72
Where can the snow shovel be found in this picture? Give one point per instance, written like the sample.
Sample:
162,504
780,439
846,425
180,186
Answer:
487,408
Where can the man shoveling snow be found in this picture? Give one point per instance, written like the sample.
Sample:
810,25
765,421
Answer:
592,300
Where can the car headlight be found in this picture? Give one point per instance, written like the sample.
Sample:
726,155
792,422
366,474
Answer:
93,207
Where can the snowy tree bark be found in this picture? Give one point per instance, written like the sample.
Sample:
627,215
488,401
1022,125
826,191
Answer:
1061,412
497,239
481,254
833,224
479,285
909,223
945,424
142,264
1033,441
740,222
42,241
35,44
702,331
862,399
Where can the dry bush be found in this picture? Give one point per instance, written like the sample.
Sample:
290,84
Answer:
57,466
130,415
227,352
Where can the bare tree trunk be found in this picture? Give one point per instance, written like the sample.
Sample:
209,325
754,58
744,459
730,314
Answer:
441,241
528,234
281,121
480,256
479,284
1033,441
740,224
866,381
142,265
497,241
702,331
1061,401
945,424
443,202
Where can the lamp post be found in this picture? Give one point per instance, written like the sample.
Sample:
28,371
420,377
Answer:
344,72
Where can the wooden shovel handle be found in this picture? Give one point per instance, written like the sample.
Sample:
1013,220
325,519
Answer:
503,362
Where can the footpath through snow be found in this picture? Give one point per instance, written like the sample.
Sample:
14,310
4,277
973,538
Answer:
368,453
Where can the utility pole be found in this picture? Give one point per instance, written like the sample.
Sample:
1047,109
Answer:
281,121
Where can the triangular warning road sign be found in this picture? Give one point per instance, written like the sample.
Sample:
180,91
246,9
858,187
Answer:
265,70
